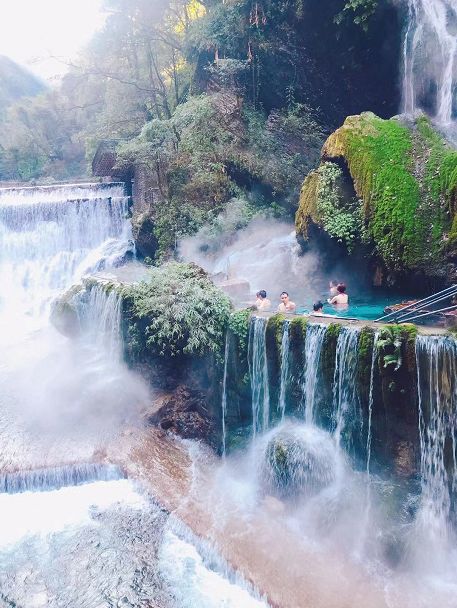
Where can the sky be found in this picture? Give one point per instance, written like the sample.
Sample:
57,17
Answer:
31,31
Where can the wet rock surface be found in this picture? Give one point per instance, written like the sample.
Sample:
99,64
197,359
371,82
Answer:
185,413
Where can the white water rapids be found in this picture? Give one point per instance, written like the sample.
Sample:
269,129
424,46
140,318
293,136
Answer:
73,532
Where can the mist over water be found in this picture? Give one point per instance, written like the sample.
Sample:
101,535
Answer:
60,395
265,254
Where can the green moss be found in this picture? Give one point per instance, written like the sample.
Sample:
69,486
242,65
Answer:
307,210
378,154
298,327
407,180
365,355
275,326
297,334
328,354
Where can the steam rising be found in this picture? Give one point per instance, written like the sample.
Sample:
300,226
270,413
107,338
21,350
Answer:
265,254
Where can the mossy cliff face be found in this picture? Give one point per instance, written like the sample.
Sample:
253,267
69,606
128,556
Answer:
390,186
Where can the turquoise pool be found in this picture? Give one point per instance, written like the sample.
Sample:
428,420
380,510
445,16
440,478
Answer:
367,308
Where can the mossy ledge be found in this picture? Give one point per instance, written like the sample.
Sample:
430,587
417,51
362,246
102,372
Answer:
403,176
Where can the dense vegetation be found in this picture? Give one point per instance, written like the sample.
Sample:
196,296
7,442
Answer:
390,185
176,311
214,99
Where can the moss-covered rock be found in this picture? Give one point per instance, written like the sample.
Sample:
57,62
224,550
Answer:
404,176
298,460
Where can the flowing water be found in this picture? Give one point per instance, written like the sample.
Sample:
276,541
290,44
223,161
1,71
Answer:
314,341
437,367
74,532
429,58
285,368
224,393
290,511
259,375
345,400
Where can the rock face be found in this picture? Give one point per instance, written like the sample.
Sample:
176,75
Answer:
388,187
185,413
64,312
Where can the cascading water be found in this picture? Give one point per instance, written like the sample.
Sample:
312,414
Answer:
54,478
101,317
285,365
429,57
224,394
345,401
63,402
314,341
258,369
436,359
50,238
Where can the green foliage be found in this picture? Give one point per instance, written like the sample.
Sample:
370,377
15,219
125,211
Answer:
340,218
362,11
390,343
176,311
407,181
238,324
365,355
394,341
439,183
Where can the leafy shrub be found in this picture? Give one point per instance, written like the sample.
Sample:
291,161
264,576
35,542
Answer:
176,311
239,325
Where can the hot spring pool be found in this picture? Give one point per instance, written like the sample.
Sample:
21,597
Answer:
366,308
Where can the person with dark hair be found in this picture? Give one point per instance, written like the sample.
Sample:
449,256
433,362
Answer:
333,288
262,303
341,300
317,309
286,305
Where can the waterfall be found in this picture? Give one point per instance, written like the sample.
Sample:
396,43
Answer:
285,365
224,393
258,369
54,478
436,359
429,53
50,237
101,319
374,358
314,341
55,390
345,399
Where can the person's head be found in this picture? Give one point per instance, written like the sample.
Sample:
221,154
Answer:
341,287
318,306
284,297
333,283
262,294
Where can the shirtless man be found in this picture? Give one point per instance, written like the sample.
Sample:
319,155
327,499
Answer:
262,303
341,300
286,305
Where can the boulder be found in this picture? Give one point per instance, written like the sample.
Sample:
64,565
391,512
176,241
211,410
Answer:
389,188
298,460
